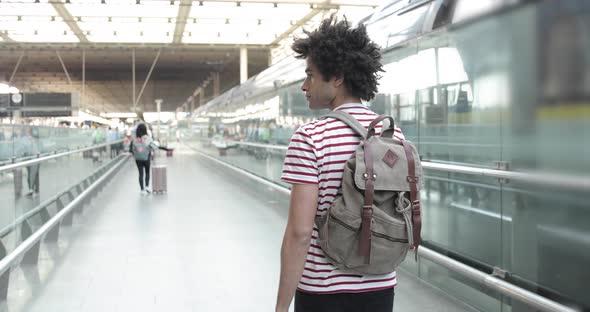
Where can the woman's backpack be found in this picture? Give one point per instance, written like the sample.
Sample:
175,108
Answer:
141,150
372,225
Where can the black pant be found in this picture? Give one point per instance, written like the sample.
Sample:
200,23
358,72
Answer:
33,177
373,301
143,165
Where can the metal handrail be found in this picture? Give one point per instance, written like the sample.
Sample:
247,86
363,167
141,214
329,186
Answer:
487,280
30,213
577,183
40,207
267,146
13,257
491,282
46,158
13,160
581,183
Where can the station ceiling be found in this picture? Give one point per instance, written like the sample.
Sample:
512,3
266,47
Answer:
52,46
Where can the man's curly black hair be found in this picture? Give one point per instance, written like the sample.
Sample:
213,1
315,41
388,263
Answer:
338,50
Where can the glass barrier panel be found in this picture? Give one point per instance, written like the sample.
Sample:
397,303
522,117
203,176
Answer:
260,161
31,190
6,143
11,188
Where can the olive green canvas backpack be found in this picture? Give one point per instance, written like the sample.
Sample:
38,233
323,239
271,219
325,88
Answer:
372,225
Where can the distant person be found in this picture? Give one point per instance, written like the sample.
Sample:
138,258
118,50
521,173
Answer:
142,148
29,142
113,136
98,137
342,70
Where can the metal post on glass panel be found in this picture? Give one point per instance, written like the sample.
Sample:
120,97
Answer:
53,234
82,205
71,195
68,219
32,255
5,277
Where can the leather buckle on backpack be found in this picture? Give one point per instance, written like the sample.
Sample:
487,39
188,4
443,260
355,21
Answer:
412,179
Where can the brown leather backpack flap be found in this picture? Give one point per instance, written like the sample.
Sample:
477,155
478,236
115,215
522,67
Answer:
390,166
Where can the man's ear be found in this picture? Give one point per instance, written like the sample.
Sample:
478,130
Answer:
338,80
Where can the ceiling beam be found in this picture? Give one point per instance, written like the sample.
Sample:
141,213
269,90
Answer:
147,78
69,19
20,58
184,10
5,37
125,46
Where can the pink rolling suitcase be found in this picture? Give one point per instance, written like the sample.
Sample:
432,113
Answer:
159,184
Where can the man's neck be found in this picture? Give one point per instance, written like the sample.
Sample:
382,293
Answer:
344,100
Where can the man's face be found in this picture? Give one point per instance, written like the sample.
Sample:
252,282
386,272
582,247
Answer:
318,92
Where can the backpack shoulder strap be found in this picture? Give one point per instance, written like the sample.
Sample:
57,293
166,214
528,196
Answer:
349,120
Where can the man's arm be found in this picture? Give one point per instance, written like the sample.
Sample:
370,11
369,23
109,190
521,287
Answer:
302,211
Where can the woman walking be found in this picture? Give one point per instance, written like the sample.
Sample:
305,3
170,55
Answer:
142,147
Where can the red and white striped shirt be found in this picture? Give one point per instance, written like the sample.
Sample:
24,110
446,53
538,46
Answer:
316,155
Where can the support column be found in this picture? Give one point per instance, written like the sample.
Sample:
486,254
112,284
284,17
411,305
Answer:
202,97
158,106
216,84
133,74
17,117
83,79
192,104
243,65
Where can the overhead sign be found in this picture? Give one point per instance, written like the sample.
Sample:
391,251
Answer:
4,100
48,99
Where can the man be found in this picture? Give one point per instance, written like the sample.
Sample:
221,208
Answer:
342,69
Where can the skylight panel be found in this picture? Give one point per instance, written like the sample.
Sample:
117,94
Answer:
123,9
354,14
156,20
27,21
248,10
43,35
29,9
245,31
130,37
122,29
227,38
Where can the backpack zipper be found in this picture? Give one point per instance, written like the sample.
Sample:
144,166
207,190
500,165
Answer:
389,238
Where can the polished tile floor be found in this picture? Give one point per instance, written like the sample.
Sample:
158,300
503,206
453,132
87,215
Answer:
210,244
